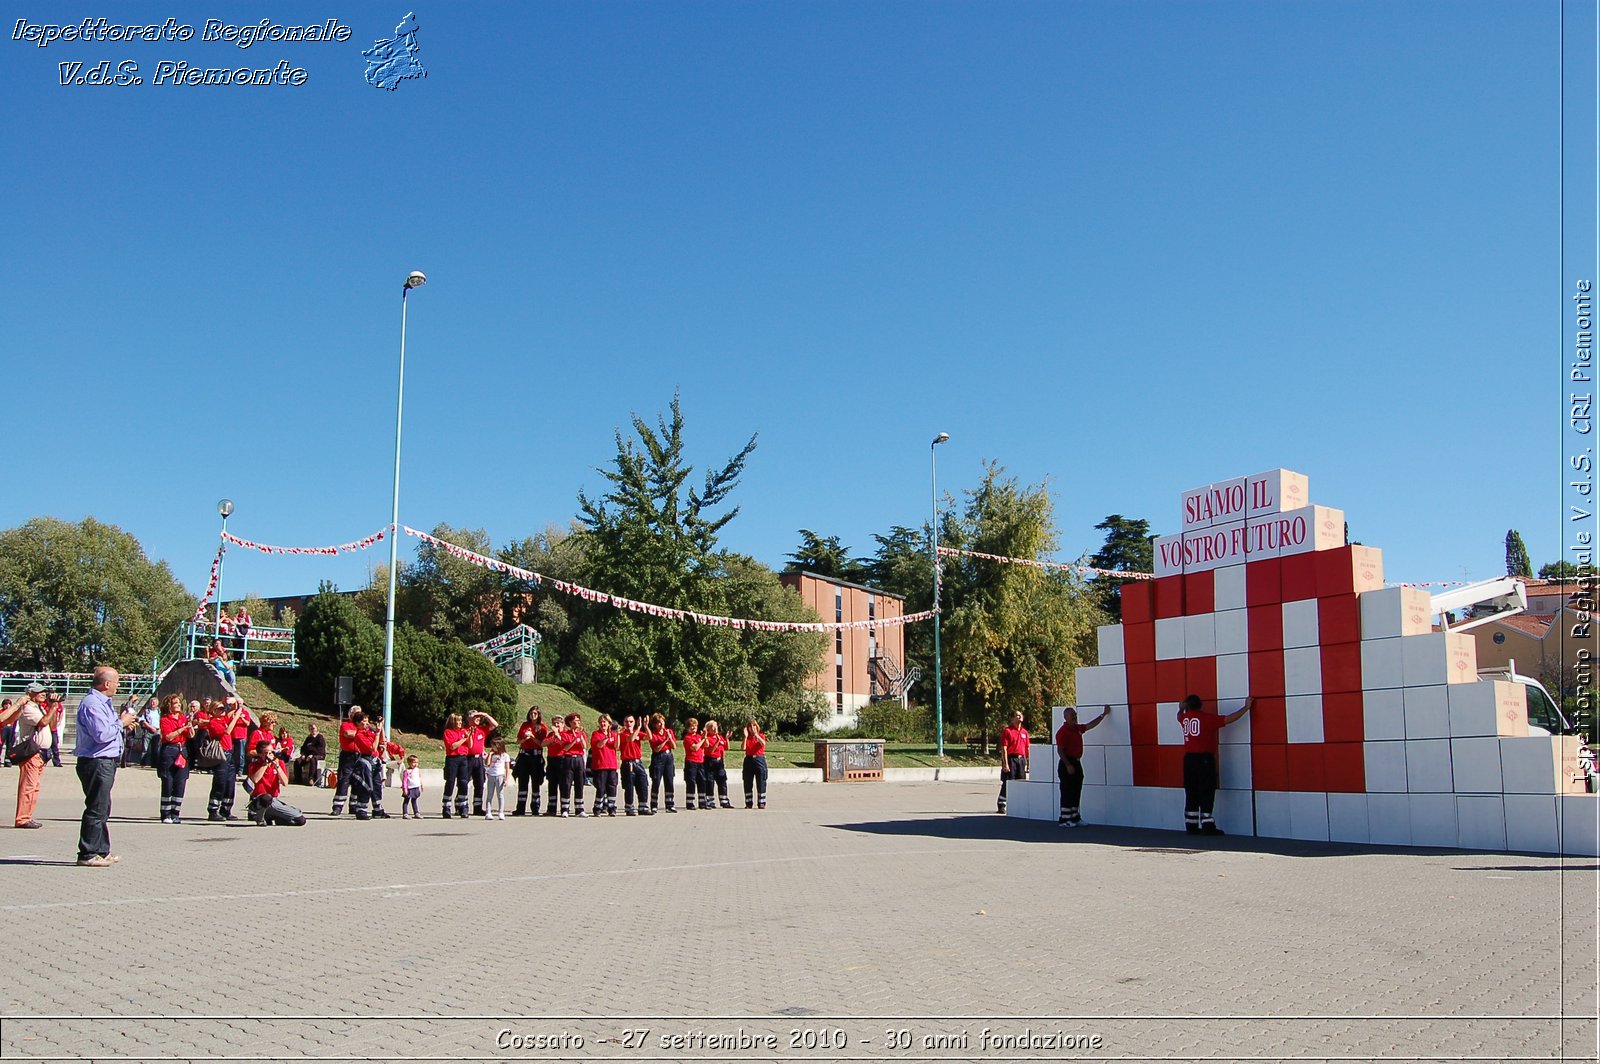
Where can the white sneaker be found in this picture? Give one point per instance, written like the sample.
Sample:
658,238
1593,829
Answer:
502,816
487,816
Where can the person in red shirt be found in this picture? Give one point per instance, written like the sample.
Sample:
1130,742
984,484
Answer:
370,745
223,778
285,744
237,743
555,749
755,764
267,776
573,754
479,725
172,763
662,743
603,752
266,732
635,784
714,770
694,760
355,773
1200,727
529,766
457,765
1069,748
1013,755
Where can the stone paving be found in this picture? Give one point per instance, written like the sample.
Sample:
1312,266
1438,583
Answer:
846,922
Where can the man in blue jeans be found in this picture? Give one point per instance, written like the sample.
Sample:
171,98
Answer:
99,750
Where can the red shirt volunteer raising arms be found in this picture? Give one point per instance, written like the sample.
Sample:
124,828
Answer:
663,741
603,749
630,744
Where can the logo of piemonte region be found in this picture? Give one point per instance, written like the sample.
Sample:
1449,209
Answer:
389,62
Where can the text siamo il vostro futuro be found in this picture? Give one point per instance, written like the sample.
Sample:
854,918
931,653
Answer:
179,71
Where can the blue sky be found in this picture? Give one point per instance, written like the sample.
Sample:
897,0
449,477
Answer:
1128,247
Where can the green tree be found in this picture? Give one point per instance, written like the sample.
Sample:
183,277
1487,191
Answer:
435,677
556,553
1517,563
77,595
334,638
1127,549
449,596
824,556
1013,633
1563,570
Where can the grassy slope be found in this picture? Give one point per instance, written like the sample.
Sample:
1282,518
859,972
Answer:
282,693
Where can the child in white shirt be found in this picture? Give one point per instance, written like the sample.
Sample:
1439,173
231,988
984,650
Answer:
410,789
498,767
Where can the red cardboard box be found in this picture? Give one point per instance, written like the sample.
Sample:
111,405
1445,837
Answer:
1147,766
1171,765
1306,770
1341,667
1139,643
1172,683
1263,582
1348,570
1266,672
1298,575
1343,767
1167,592
1200,676
1343,718
1199,592
1268,721
1265,627
1142,729
1269,767
1142,683
1136,605
1339,619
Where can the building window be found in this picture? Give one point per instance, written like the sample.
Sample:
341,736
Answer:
1499,637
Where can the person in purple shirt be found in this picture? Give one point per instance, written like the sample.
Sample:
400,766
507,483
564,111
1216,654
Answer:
99,750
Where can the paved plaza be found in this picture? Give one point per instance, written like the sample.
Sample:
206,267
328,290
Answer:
846,922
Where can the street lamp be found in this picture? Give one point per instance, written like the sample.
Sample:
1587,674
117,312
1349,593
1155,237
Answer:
224,508
415,279
933,553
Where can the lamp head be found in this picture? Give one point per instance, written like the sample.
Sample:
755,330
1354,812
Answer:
416,279
943,437
225,507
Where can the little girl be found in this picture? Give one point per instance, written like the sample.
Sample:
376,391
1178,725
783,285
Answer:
410,789
498,766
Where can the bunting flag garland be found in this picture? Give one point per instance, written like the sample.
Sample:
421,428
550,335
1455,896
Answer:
211,584
342,548
651,609
956,552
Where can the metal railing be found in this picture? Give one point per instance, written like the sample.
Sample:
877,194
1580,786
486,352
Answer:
263,647
520,642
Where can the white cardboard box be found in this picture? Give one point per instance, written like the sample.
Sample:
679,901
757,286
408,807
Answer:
1042,762
1475,765
1428,768
1168,552
1272,815
1119,766
1531,823
1237,733
1233,676
1488,707
1109,637
1234,812
1113,731
1232,631
1276,491
1310,528
1302,671
1094,766
1200,635
1389,819
1031,800
1107,805
1229,593
1233,766
1433,819
1303,714
1580,824
1427,712
1347,818
1168,731
1300,623
1308,815
1386,767
1382,664
1100,685
1158,807
1480,822
1439,657
1383,714
1395,611
1540,764
1169,638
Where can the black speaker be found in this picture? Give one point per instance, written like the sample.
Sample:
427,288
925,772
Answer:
344,690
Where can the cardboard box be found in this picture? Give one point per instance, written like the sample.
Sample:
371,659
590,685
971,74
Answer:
1344,768
1172,682
1138,643
1475,765
1267,673
1168,731
1347,818
1228,588
1395,611
1099,685
1386,766
1383,714
1382,664
1142,728
1541,764
1481,823
1094,766
1341,666
1042,763
1263,581
1269,721
1300,624
1461,655
1580,824
1113,731
1299,577
1167,594
1427,712
1273,818
1264,626
1237,733
1308,816
1488,707
1233,766
1349,570
1233,675
1119,766
1137,607
1171,762
1200,677
1107,805
1214,504
1389,819
1168,556
1109,638
1230,631
1310,528
1343,717
1234,812
1302,671
1169,638
1142,683
1276,491
1339,619
1532,824
1307,767
1207,549
1269,767
1433,819
1428,768
1303,716
1200,635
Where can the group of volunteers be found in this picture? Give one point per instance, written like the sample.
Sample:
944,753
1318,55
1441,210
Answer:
226,739
558,757
1199,725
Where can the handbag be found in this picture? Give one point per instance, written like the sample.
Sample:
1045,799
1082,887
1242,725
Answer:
17,753
211,755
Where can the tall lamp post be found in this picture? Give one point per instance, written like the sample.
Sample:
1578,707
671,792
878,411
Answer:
415,279
224,508
933,553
